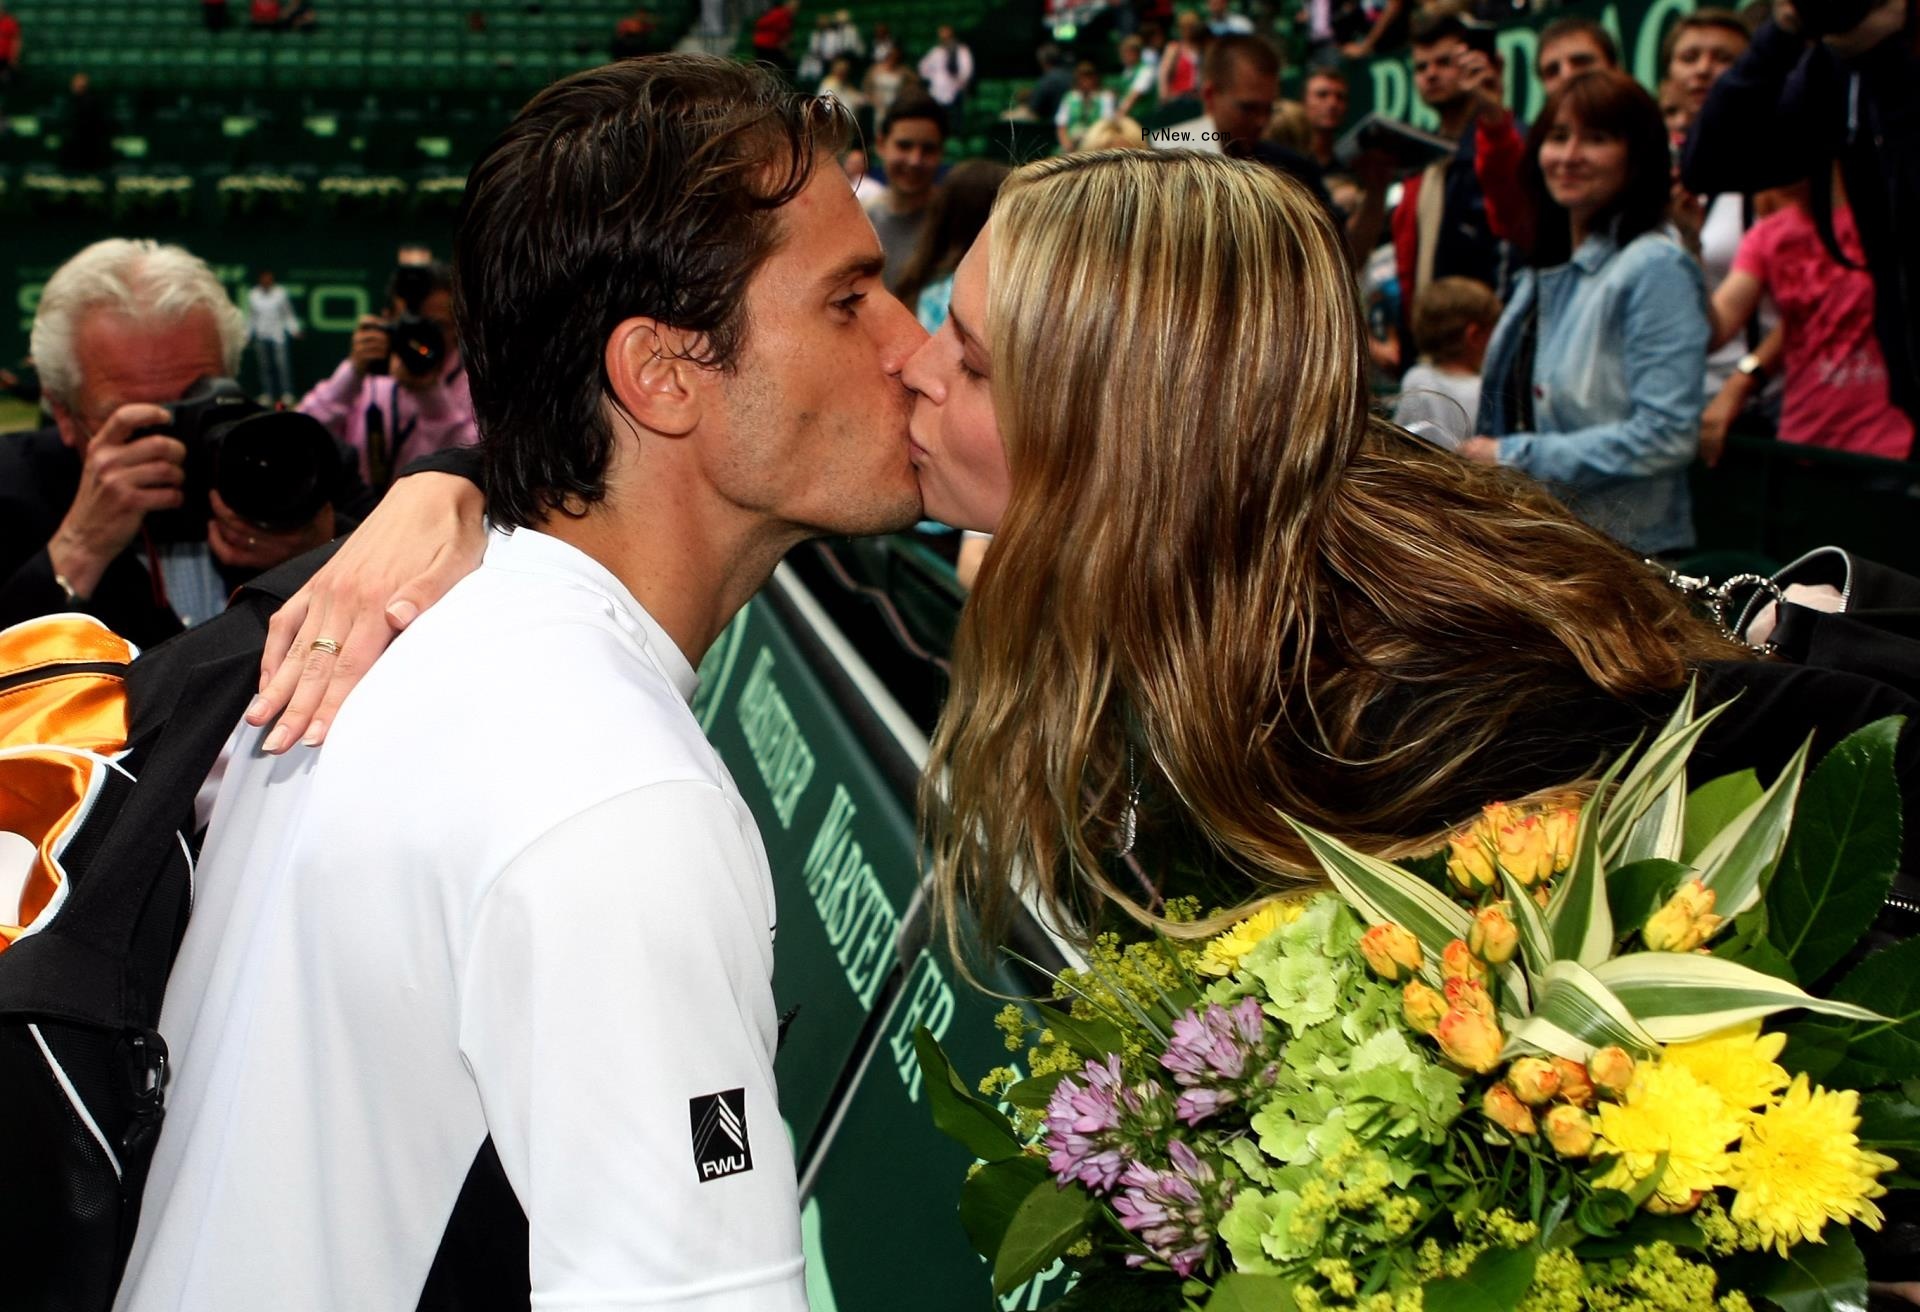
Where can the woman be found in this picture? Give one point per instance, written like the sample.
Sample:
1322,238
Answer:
1081,108
958,212
1836,377
887,79
1593,378
1179,74
1220,590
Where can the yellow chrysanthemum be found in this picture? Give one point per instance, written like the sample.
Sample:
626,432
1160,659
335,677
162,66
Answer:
1668,1110
1223,953
1801,1166
1737,1063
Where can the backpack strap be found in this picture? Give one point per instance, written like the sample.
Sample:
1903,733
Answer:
184,699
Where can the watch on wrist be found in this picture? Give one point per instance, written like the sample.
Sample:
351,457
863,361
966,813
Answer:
1751,367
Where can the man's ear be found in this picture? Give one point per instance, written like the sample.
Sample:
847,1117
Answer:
653,377
71,432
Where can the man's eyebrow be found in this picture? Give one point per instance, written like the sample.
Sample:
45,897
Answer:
859,266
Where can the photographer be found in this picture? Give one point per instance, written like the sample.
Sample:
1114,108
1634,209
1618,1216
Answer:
107,512
402,390
1824,81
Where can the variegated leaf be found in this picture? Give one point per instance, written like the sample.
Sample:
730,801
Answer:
1578,914
1736,863
1574,1013
1383,893
1536,939
1636,820
1679,996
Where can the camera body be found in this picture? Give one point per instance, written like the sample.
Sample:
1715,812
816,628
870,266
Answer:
1824,18
418,341
273,468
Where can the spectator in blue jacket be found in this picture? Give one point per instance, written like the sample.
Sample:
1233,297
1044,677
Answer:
1594,377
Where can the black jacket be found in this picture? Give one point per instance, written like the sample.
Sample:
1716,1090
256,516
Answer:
1785,112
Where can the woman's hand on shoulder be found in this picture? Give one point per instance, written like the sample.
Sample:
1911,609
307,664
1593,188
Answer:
427,534
1482,450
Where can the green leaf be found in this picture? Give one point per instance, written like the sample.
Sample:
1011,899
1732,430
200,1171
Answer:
1582,924
993,1194
1636,891
1678,996
1840,858
1816,1048
1536,940
1880,1052
1573,1014
1092,1039
1890,1123
1818,1277
1244,1293
1736,862
981,1129
1713,806
1109,1288
1749,945
1496,1282
1048,1222
1033,1095
1644,818
1382,893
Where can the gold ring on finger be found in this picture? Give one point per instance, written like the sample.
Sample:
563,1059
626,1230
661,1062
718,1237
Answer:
327,645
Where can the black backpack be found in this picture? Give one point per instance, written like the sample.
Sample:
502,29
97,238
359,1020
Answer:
82,1066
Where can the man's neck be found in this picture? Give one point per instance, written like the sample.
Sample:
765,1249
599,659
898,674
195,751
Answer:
692,568
1323,141
898,204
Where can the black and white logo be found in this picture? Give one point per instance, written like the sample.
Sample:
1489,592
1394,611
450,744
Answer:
720,1134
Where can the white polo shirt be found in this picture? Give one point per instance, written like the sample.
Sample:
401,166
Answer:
516,896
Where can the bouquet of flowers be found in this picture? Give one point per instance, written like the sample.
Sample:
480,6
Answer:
1551,1068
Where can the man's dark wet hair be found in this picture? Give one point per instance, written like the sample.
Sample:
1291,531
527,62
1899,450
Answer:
647,187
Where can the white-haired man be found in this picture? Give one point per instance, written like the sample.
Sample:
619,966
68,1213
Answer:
122,330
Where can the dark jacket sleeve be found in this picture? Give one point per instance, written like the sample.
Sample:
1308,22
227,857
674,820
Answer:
461,460
1756,129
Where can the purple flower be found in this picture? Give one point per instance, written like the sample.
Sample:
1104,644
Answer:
1087,1124
1214,1047
1174,1212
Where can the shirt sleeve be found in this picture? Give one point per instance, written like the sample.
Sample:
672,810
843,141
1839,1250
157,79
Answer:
1664,335
333,399
1755,253
618,1017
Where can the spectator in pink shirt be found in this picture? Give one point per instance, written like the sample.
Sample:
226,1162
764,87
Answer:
388,412
1836,393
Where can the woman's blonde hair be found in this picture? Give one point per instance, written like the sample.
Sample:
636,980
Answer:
1218,570
1120,133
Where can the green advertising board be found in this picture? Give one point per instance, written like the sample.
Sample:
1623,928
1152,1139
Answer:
880,1186
1385,85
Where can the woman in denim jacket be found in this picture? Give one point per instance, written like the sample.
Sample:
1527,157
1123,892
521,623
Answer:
1595,375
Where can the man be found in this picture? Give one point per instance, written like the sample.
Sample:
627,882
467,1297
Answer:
1793,106
1456,218
947,69
390,406
1571,46
1239,81
550,997
1052,86
773,35
1222,21
270,323
1325,98
122,330
913,137
1699,48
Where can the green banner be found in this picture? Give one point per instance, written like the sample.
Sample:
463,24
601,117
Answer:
1386,85
846,868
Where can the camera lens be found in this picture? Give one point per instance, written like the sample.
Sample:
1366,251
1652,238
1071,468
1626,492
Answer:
275,469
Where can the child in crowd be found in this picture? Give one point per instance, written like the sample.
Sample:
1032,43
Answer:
1452,322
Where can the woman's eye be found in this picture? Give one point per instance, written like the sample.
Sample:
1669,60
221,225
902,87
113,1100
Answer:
969,370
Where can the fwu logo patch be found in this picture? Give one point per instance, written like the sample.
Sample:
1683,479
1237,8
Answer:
720,1134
